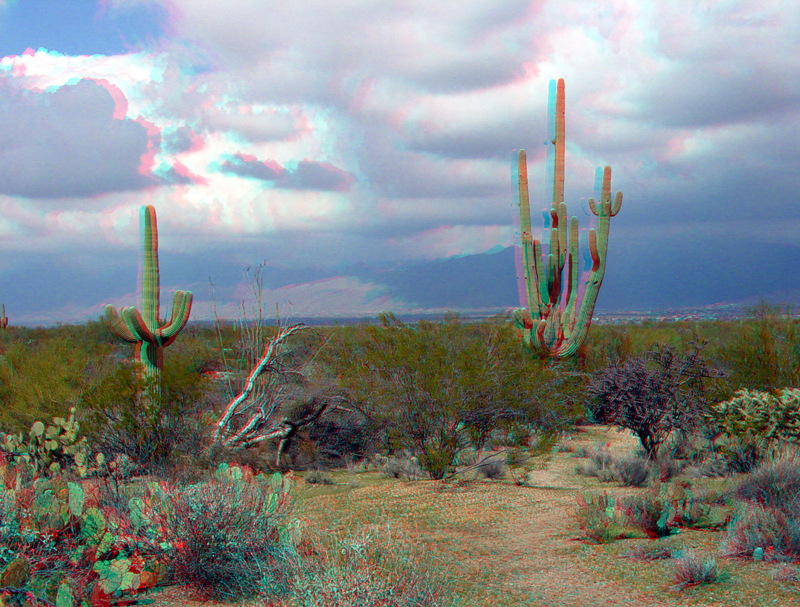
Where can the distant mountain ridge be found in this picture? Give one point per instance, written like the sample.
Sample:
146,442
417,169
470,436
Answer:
705,272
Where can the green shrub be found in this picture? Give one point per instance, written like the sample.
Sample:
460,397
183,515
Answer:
147,430
763,352
232,538
426,386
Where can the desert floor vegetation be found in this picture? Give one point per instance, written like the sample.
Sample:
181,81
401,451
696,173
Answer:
411,464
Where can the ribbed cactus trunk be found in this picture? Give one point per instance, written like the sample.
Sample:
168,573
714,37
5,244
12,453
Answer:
143,328
546,328
150,352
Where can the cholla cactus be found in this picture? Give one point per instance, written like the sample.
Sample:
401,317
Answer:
145,329
547,329
754,416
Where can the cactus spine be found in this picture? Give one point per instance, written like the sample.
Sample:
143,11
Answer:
144,329
555,333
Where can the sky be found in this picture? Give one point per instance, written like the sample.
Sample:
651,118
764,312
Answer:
319,136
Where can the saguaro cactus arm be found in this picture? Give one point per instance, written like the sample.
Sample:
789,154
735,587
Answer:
143,328
546,328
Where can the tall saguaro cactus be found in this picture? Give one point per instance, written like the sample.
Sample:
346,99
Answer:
143,329
546,328
3,317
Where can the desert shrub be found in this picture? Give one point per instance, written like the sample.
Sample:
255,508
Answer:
406,466
393,468
786,574
650,553
693,448
762,352
664,468
665,507
754,423
466,457
755,526
669,468
318,477
600,465
428,385
44,378
517,457
338,436
493,468
600,517
774,485
124,415
645,512
632,472
692,570
738,457
651,402
228,539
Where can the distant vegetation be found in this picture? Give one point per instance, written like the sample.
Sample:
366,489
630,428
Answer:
397,378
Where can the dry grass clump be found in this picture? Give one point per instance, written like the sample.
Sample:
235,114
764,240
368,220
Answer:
493,467
692,570
632,471
318,477
374,566
650,553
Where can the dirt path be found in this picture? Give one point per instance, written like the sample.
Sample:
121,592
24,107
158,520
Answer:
518,544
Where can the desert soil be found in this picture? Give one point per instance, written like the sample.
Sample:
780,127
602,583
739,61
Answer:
515,545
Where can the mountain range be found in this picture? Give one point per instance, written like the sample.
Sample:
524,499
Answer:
711,273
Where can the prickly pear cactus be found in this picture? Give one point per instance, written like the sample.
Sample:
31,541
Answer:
602,516
678,507
49,448
104,554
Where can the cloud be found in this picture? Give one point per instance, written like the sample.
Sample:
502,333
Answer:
305,175
177,140
67,143
329,133
256,126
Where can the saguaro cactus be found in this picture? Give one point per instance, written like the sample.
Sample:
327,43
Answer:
144,329
546,328
3,318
